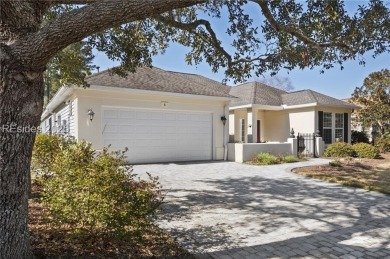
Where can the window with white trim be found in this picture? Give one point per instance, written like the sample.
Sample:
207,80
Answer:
327,128
339,126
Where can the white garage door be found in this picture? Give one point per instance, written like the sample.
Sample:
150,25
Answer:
158,136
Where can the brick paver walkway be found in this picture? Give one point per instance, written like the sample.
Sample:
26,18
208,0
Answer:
230,210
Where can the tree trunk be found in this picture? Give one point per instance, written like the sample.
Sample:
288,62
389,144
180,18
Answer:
21,102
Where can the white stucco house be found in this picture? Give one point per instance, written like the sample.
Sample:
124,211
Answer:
165,116
158,115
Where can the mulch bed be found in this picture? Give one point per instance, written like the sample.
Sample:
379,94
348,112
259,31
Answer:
369,174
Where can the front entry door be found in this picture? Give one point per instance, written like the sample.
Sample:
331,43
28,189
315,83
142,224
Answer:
258,131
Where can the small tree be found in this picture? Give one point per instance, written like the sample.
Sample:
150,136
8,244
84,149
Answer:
374,97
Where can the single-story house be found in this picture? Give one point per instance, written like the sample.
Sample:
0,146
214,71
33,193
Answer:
165,116
160,116
262,113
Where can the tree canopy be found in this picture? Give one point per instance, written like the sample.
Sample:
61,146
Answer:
293,34
374,97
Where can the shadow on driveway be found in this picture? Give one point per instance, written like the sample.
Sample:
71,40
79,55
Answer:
286,217
222,210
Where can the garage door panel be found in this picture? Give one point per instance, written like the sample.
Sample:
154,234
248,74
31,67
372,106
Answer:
110,114
158,136
126,114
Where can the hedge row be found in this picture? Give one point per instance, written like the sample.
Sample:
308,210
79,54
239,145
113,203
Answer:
362,150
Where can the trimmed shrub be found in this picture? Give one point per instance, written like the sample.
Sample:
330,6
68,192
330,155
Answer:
364,150
339,149
290,159
359,137
383,144
266,159
46,148
96,192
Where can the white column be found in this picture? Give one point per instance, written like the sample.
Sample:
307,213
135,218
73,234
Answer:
254,125
249,130
294,146
226,132
320,146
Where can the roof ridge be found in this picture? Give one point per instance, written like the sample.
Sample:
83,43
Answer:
328,96
297,91
98,73
254,92
157,79
311,92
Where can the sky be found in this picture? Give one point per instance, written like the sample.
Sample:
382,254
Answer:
334,82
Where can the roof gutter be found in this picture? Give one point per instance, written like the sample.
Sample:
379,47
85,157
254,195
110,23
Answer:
62,94
286,107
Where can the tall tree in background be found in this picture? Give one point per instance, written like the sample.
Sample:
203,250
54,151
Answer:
69,67
280,82
32,32
374,98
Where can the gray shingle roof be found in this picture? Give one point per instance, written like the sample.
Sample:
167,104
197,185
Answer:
256,93
155,79
261,94
309,96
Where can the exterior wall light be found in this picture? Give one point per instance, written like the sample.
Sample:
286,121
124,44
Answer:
292,133
318,133
223,119
90,114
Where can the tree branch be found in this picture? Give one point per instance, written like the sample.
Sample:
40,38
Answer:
295,31
37,48
76,2
191,27
213,40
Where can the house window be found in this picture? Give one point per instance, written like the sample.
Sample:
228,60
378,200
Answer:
64,127
327,130
339,126
242,130
70,109
59,123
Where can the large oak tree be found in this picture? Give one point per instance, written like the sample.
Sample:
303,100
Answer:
32,32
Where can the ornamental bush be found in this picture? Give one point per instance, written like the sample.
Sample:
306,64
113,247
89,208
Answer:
290,159
96,192
340,149
383,144
265,159
364,150
45,150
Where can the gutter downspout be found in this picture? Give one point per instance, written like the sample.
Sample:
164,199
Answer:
226,133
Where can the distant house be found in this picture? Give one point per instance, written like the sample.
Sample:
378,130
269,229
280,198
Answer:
264,113
165,116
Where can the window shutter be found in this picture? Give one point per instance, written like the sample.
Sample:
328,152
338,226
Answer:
346,127
321,122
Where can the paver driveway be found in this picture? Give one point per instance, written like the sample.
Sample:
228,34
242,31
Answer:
232,210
